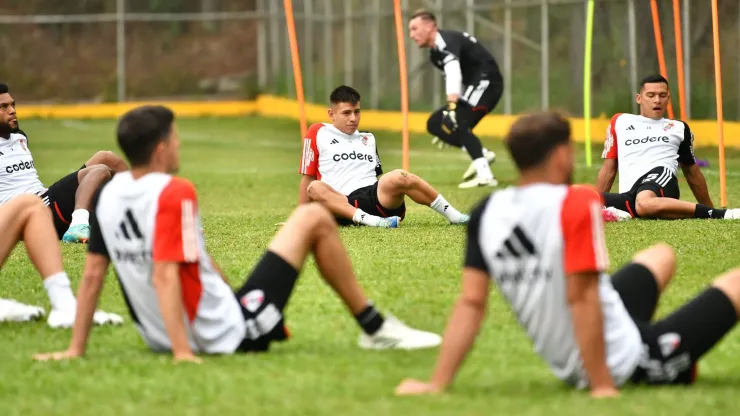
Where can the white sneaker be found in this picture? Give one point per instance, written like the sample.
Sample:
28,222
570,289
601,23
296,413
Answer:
66,319
732,214
478,182
394,334
471,172
13,311
611,214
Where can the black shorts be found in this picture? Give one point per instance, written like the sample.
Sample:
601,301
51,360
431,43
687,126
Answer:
661,181
479,97
263,299
366,199
60,197
674,344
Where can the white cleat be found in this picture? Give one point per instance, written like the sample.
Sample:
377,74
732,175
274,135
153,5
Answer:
66,319
611,214
477,182
464,219
13,311
394,334
471,172
732,214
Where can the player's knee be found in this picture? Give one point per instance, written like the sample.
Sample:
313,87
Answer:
98,173
105,157
315,189
646,207
28,202
729,284
402,179
660,259
313,215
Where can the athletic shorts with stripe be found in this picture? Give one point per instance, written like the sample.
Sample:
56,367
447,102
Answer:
60,198
477,99
673,344
660,180
366,199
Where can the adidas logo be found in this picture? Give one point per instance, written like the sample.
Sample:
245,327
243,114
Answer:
129,227
516,245
334,141
446,206
631,128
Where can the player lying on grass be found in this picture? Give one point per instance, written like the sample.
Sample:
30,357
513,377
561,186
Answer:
146,222
646,150
542,242
340,168
68,198
25,218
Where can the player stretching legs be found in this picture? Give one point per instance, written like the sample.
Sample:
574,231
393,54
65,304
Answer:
340,168
473,84
177,295
68,198
542,242
646,150
26,218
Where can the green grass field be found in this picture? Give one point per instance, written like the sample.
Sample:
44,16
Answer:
245,171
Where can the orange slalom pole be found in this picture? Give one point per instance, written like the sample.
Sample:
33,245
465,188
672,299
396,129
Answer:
679,57
404,84
659,47
720,116
290,21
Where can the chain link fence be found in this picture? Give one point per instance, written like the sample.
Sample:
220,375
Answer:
115,50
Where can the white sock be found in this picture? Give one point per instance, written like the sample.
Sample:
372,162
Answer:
483,168
362,217
80,216
445,209
60,292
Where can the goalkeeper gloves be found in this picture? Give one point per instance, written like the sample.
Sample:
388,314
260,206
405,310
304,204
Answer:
449,117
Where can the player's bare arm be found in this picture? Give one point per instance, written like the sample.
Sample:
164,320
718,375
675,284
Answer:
697,183
459,337
305,181
96,267
588,325
607,174
166,282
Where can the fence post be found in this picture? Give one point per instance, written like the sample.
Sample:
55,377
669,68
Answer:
328,61
545,54
374,54
261,47
121,50
632,31
348,24
507,58
687,54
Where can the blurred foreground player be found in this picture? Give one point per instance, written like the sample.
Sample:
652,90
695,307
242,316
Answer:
646,150
25,218
473,84
341,170
146,222
68,198
543,244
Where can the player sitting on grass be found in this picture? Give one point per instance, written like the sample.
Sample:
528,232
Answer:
26,218
543,244
146,222
647,150
340,168
68,198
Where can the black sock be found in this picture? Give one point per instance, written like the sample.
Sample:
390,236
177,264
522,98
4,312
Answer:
370,319
703,211
471,142
619,201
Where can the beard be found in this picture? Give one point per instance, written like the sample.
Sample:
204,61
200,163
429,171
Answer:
6,130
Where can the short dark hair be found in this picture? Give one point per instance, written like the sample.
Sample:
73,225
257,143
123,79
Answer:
344,94
652,79
532,138
424,15
140,130
4,89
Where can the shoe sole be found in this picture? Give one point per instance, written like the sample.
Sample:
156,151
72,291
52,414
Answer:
468,175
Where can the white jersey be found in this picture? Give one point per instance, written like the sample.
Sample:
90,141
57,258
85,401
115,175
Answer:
346,162
528,239
136,222
17,171
641,144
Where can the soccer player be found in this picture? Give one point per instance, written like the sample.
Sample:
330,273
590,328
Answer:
473,84
542,242
146,222
26,218
646,150
340,168
68,198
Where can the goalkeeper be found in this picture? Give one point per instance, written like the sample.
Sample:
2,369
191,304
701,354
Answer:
473,84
